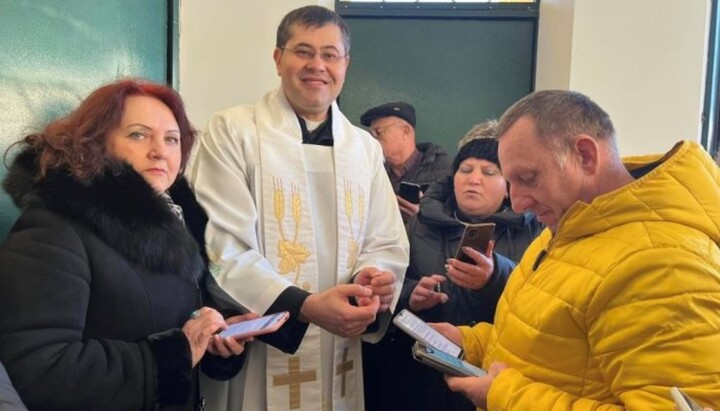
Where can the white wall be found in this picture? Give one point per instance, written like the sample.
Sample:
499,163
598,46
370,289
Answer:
555,38
643,61
226,51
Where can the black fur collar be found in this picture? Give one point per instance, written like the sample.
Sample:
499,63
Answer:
117,206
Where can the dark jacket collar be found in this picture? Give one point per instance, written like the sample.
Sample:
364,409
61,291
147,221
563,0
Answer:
430,151
438,207
117,206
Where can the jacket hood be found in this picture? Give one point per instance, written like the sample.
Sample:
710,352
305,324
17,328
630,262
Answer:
117,206
438,207
682,187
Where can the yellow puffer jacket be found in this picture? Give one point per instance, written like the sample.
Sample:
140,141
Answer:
621,304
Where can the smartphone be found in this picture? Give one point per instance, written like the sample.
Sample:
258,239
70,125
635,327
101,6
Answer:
444,362
476,236
410,192
683,402
421,331
259,326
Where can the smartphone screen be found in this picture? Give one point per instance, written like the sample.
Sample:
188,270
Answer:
475,236
445,362
421,331
410,192
258,326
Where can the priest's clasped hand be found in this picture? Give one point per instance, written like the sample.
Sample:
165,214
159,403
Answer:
331,309
381,282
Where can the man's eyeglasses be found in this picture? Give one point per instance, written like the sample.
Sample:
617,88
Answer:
377,132
308,54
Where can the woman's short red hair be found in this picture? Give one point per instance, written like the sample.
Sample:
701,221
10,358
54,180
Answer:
77,141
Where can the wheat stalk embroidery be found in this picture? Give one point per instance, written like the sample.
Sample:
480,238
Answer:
354,240
293,253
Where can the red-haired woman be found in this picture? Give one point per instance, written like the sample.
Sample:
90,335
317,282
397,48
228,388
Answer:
101,272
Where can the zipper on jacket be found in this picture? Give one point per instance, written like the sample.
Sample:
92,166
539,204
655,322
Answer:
539,259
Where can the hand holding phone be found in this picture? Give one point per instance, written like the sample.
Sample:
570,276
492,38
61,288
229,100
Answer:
259,326
421,331
477,237
410,192
444,362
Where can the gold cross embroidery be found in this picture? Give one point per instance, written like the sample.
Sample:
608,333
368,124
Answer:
294,378
342,369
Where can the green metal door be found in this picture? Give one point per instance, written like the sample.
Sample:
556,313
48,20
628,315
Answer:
54,52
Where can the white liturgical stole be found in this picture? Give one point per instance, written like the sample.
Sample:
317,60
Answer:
289,223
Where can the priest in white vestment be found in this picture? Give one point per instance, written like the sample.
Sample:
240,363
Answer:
302,217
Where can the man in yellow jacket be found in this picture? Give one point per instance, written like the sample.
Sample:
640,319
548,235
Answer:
619,299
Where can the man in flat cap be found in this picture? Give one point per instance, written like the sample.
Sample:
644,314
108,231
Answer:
393,125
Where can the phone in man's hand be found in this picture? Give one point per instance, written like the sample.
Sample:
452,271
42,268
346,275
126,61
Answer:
410,191
477,237
444,362
259,326
421,331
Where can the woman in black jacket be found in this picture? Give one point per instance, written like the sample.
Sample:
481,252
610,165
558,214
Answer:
439,288
101,281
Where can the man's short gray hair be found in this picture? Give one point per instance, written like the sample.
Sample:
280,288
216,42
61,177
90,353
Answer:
560,115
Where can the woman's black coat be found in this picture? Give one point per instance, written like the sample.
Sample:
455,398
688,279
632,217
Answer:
97,278
435,236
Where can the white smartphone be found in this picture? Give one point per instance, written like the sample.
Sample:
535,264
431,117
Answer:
444,362
259,326
421,331
683,402
475,236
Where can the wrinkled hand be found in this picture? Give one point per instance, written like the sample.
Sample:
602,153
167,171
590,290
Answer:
200,329
476,389
382,284
450,331
229,346
424,296
408,209
331,309
472,276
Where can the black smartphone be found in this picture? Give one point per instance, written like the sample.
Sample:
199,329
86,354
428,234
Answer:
477,237
410,192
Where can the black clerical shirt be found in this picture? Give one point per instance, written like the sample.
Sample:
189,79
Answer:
321,136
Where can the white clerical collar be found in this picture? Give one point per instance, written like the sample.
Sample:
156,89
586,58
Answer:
312,125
